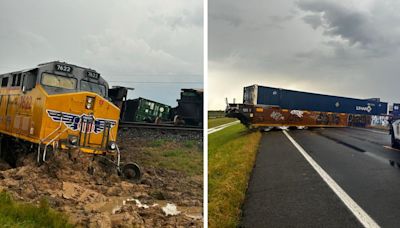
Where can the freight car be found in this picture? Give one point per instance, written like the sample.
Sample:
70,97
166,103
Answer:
190,107
268,107
188,112
144,110
59,106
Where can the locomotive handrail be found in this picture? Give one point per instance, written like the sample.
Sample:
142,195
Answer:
51,141
43,140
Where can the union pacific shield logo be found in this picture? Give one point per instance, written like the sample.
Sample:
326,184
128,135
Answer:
77,122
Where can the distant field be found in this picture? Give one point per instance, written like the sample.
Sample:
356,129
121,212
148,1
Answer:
231,155
219,121
216,114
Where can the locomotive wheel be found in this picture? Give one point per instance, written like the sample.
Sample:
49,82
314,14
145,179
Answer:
177,120
131,172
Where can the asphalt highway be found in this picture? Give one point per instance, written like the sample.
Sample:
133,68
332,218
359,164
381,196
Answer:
286,191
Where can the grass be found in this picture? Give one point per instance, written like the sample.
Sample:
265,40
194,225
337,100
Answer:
216,113
157,143
231,155
183,156
219,121
16,214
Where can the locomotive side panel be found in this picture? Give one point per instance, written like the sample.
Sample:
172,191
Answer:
20,108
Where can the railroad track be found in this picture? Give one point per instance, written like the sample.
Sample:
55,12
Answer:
158,126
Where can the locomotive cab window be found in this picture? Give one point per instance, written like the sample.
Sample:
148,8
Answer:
58,81
93,87
4,82
16,80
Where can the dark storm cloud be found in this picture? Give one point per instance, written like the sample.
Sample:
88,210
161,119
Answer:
340,21
345,48
126,41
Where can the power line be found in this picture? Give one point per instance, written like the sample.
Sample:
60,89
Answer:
156,75
175,82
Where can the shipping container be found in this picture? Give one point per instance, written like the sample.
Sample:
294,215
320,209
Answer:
296,100
144,110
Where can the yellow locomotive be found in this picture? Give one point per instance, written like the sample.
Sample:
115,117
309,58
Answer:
59,106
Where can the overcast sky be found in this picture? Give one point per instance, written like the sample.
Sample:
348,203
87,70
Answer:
345,48
128,41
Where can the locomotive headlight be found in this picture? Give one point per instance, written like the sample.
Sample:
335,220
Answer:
89,102
112,145
73,139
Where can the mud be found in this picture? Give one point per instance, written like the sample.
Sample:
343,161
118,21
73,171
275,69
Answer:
102,199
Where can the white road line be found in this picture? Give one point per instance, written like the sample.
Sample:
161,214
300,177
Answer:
360,214
223,126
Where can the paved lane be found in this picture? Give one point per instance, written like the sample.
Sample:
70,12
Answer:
360,167
285,190
376,145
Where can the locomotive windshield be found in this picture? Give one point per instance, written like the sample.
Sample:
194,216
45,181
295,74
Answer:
93,87
58,81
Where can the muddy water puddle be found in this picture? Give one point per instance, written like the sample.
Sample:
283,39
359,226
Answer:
114,204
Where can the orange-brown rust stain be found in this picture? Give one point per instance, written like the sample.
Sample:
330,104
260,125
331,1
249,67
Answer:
273,116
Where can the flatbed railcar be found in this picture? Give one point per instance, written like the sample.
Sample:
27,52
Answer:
59,106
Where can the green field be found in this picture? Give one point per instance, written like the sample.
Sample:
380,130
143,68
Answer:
185,156
231,155
15,214
216,114
219,121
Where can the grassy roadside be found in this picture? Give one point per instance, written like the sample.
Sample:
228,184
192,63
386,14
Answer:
16,214
231,155
219,121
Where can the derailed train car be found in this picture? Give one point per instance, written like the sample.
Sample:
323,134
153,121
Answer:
145,110
189,110
190,107
58,106
269,107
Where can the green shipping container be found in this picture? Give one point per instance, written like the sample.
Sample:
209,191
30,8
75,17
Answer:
143,110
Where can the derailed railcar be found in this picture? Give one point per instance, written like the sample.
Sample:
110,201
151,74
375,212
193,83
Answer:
58,106
269,107
272,116
190,107
189,110
145,110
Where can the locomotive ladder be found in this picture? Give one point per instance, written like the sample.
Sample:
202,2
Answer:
51,140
